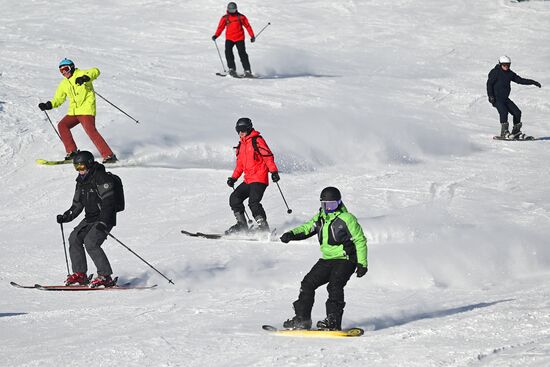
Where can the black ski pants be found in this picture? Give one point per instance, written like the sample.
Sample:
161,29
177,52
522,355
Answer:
241,48
334,272
505,107
86,235
254,191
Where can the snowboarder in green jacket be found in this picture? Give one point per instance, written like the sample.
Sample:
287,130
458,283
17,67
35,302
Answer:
344,249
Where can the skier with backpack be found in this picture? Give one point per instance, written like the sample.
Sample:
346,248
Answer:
233,23
498,92
100,195
344,249
255,160
77,86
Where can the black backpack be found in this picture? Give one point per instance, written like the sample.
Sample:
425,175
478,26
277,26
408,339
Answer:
119,192
255,146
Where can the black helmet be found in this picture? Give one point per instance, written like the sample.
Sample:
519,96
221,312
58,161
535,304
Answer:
244,124
84,157
330,194
232,7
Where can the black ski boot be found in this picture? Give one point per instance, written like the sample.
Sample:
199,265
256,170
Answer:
516,131
70,156
240,226
504,133
233,73
297,322
332,322
248,74
262,224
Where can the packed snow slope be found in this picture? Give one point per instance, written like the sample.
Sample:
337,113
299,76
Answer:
383,99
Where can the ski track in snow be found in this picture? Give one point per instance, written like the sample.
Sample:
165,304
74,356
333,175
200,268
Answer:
385,100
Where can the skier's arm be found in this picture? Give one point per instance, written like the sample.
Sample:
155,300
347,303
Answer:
306,230
267,155
518,79
75,209
60,95
491,80
221,26
248,27
238,169
93,73
358,238
106,192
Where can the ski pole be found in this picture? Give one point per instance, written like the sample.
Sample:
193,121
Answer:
245,212
260,32
53,127
288,209
220,55
139,257
65,248
106,100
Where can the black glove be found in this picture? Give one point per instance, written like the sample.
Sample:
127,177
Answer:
231,181
275,176
361,270
101,227
537,84
287,237
45,106
253,39
63,218
492,100
214,37
82,79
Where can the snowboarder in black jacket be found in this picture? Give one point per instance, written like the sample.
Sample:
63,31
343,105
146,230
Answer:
498,91
95,194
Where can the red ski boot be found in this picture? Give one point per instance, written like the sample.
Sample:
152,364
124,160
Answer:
77,279
103,281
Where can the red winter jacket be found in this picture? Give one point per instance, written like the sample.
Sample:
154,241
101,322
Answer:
234,23
254,165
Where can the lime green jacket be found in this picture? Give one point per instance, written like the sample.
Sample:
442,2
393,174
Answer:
340,235
81,97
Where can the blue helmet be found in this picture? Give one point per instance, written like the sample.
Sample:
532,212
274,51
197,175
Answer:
66,61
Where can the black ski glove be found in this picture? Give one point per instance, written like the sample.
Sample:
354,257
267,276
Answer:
82,79
63,218
101,227
253,39
361,270
537,84
231,181
275,176
214,37
492,100
45,106
287,237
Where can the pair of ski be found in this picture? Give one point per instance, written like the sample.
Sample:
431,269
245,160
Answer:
316,333
261,236
46,162
82,288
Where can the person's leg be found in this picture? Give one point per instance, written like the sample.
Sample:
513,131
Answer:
516,113
229,57
241,47
64,126
317,276
257,190
76,248
88,123
341,272
93,241
236,199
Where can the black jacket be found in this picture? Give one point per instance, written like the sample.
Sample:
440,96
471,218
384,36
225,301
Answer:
498,83
96,196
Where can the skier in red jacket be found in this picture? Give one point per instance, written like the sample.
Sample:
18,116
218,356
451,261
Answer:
255,159
234,22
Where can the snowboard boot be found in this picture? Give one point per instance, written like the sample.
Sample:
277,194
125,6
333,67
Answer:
248,74
110,159
70,156
332,322
262,224
240,226
77,279
233,73
297,322
516,131
102,280
504,133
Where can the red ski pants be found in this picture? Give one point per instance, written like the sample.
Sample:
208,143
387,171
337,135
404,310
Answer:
88,123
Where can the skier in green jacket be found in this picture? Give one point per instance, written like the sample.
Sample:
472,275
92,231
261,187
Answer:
344,249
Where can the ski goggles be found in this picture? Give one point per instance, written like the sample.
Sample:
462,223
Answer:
330,206
80,167
65,69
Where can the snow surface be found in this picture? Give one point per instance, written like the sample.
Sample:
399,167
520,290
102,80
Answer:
383,99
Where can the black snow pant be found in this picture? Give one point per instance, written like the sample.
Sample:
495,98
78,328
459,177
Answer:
86,234
241,48
254,191
505,107
334,272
